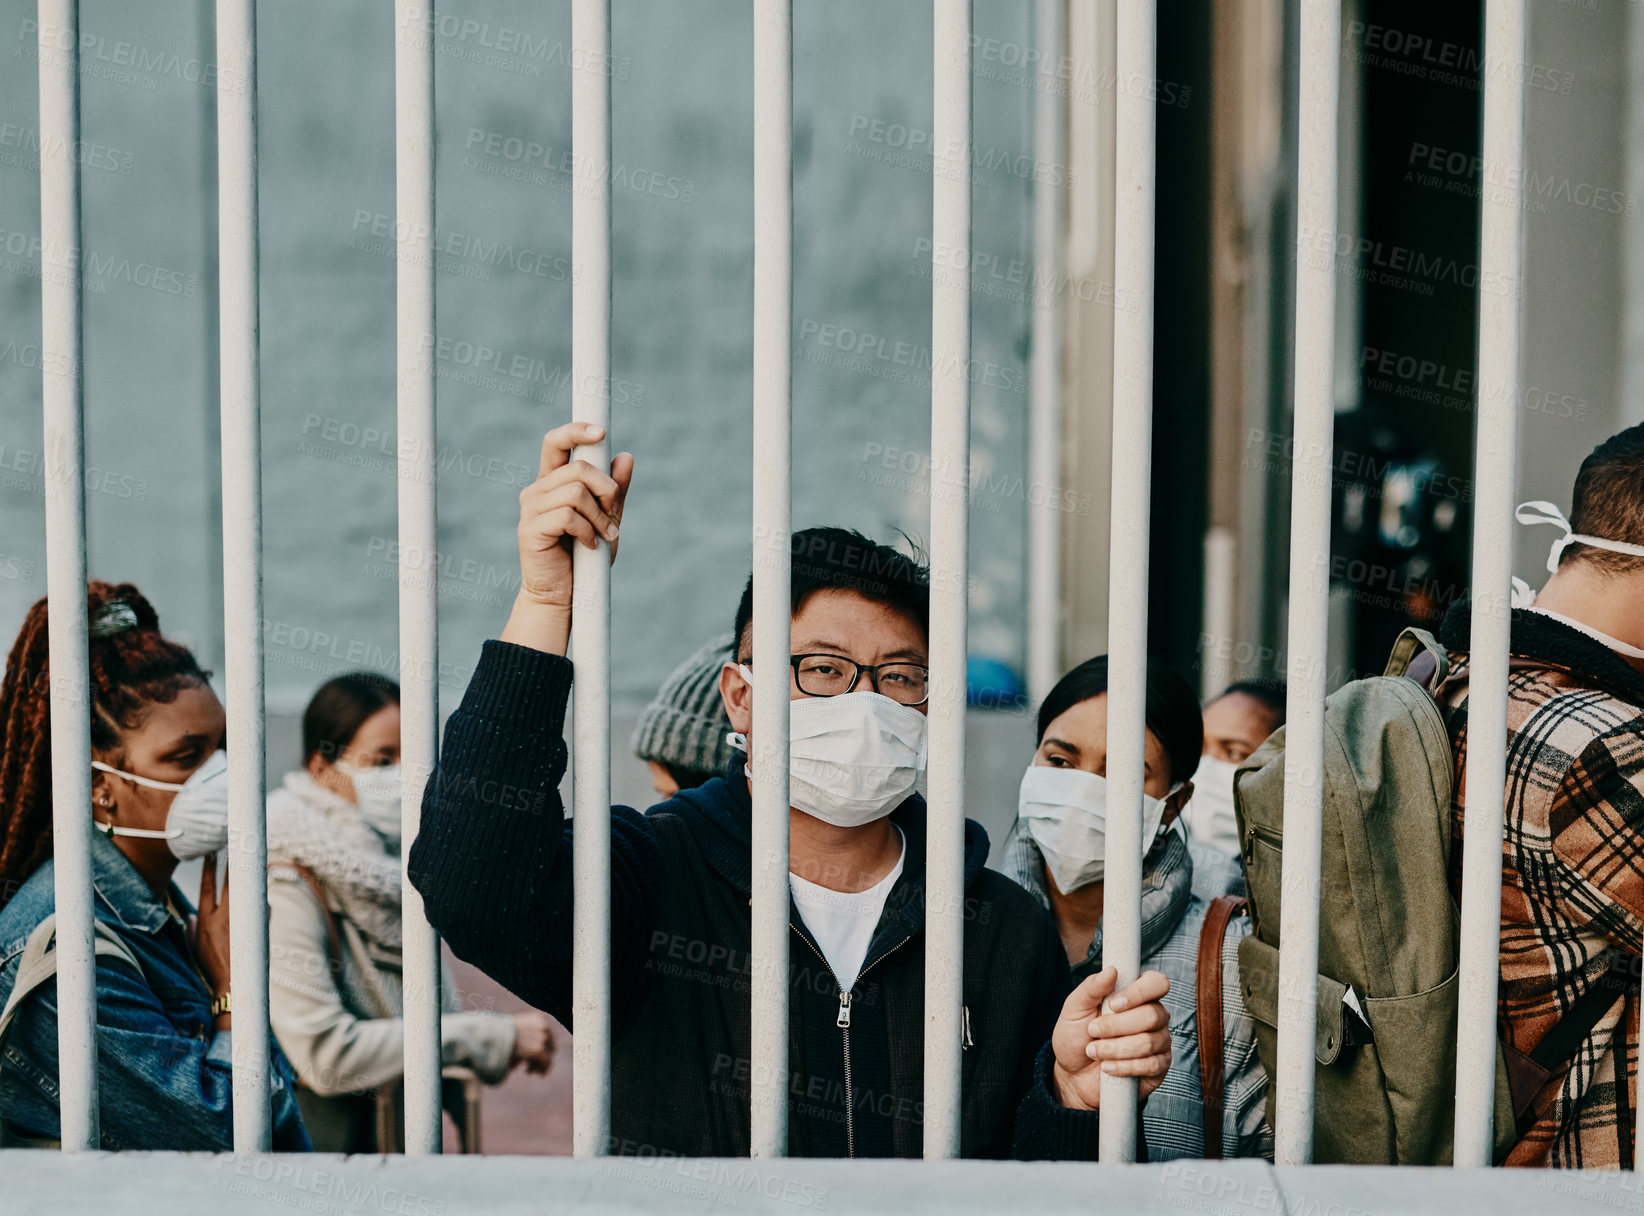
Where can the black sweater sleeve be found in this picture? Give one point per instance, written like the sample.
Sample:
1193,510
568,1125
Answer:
492,858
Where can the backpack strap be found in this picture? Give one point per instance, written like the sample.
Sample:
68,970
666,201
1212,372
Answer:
334,956
1528,1071
1208,999
1418,655
39,963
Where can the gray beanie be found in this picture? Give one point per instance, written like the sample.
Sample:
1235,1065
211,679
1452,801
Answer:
685,724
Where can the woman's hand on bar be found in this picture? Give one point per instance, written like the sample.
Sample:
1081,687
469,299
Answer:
570,503
1132,1039
211,937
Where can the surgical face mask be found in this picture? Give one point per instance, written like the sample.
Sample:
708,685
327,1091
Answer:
1540,512
1210,813
853,758
377,794
1065,812
197,822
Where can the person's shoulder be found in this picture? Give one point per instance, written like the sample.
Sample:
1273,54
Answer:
1002,905
35,900
1572,719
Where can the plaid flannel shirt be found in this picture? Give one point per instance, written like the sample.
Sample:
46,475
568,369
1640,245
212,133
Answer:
1172,918
1572,874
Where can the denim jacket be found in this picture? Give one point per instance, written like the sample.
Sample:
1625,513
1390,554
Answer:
164,1076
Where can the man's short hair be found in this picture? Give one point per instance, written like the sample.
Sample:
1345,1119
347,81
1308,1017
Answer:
838,559
1608,501
1270,694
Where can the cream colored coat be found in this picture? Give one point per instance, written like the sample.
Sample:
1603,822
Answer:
344,1034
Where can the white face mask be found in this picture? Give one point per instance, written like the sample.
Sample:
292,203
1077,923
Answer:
1540,512
377,794
853,758
1210,813
197,822
1065,812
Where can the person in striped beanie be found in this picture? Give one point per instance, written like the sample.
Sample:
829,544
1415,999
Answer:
681,734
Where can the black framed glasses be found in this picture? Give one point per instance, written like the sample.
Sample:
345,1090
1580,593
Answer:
830,675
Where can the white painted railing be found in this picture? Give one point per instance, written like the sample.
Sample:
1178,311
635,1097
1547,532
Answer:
1242,1184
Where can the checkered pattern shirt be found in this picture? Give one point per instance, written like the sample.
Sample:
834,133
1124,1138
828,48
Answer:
1572,889
1172,918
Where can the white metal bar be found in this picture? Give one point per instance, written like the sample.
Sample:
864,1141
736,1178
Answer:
772,559
63,394
591,627
243,565
1133,206
1309,580
950,578
418,533
1044,638
1495,476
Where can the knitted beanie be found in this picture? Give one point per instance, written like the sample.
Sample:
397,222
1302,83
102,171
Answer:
685,724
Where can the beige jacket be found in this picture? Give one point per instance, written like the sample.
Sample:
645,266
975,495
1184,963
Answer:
344,1033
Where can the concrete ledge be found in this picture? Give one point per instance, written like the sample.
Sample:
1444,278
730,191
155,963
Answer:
177,1184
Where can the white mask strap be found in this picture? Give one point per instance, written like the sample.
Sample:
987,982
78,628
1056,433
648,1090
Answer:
108,829
1540,512
172,786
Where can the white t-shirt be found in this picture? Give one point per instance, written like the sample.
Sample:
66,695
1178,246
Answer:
842,922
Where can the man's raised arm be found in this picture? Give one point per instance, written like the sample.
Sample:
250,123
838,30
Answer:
492,857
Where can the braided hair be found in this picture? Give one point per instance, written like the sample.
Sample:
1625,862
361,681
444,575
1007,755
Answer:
132,666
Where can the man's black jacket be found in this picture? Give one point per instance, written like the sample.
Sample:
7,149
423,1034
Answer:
493,863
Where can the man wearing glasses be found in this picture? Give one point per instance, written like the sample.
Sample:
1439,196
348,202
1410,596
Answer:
493,861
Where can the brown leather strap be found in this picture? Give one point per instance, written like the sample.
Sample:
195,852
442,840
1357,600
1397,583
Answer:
335,958
1208,998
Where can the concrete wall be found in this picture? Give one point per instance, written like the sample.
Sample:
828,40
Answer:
682,214
1576,156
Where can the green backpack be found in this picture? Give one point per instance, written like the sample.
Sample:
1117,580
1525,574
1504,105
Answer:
1388,926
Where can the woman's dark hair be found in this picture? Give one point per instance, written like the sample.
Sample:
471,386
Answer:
1172,709
132,666
827,558
340,707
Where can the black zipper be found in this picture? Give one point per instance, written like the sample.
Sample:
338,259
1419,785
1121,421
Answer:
843,1021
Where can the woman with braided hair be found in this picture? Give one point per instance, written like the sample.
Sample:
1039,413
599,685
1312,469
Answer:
164,1010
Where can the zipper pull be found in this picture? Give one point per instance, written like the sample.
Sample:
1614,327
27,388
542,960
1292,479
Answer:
966,1039
844,1019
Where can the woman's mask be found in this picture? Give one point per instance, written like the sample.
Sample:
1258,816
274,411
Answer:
197,820
1065,812
377,795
